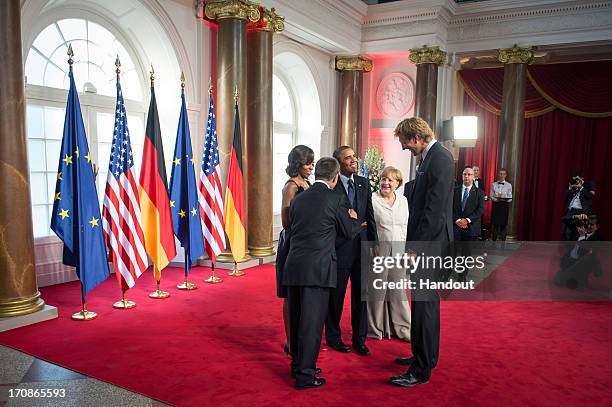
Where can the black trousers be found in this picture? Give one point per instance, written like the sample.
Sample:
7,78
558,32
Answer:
359,309
425,332
307,309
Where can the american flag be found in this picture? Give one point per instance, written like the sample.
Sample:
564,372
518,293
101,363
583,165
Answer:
209,193
121,218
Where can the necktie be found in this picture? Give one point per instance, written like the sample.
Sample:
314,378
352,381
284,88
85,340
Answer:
351,193
464,199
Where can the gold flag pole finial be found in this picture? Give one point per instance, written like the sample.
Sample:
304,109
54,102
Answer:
118,65
152,75
236,94
182,81
210,85
70,55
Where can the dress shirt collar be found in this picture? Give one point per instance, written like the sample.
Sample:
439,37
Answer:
345,180
431,143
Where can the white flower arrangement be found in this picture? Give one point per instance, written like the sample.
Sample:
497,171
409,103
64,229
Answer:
371,166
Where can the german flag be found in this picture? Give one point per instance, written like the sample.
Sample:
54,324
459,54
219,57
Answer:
153,191
233,208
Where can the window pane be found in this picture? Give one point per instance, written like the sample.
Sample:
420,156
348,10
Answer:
104,83
281,102
38,188
54,77
51,184
130,85
34,68
36,155
40,220
106,125
60,57
52,149
282,145
54,123
48,40
72,29
104,150
100,36
34,117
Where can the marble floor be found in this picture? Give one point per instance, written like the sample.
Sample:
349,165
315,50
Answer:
21,374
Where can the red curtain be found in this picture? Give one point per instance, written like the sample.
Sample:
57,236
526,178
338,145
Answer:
484,154
583,89
556,145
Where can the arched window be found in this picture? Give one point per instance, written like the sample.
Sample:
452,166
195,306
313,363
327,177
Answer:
283,136
95,50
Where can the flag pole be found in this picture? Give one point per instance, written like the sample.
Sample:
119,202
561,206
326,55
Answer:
235,272
213,279
159,294
83,314
187,285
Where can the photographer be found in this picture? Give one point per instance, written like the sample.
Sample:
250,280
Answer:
578,201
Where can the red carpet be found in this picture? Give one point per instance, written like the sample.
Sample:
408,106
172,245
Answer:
222,345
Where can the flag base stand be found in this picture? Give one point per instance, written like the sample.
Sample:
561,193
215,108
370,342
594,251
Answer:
124,304
213,280
159,294
235,272
187,286
84,315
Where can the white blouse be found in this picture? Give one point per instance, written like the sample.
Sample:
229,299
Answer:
391,221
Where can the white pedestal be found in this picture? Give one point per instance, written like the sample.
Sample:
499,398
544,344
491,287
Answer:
45,314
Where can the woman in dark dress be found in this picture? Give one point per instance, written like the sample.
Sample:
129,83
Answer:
301,165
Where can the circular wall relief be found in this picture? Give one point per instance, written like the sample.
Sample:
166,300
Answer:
395,95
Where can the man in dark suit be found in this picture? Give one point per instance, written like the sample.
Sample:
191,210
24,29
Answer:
480,184
578,203
430,220
468,207
318,215
359,195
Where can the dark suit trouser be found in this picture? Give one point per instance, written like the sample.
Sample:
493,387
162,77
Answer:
359,309
425,332
307,308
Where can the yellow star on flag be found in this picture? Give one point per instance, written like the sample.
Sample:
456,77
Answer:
59,176
88,157
64,213
76,152
57,196
177,161
68,159
172,204
193,212
182,213
94,222
193,160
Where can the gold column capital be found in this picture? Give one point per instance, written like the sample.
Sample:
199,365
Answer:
271,21
427,55
236,9
516,55
354,63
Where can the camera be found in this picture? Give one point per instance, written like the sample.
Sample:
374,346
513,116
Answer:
576,182
580,223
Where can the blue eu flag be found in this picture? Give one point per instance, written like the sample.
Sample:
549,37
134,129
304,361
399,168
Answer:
76,212
183,193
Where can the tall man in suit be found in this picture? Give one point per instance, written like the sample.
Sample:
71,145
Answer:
480,184
468,207
430,220
359,195
318,215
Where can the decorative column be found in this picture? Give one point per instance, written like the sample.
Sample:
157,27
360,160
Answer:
18,291
512,121
427,60
259,131
351,79
232,17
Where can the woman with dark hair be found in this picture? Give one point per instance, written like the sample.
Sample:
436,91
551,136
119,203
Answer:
301,165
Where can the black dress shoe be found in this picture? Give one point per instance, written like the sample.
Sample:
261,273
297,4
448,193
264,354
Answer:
318,370
361,349
339,346
406,380
404,361
317,382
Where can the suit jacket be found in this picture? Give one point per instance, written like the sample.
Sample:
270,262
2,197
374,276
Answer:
586,201
349,250
318,215
474,208
431,200
481,185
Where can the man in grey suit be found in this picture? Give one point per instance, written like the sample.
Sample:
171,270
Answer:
430,220
317,215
